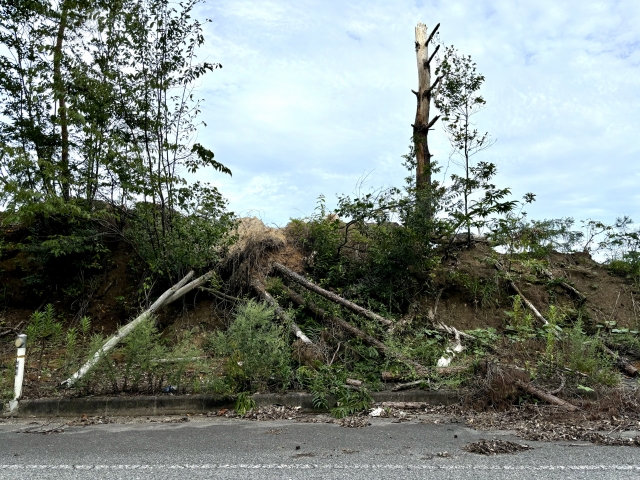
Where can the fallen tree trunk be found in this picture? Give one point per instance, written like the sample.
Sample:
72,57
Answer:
547,397
524,299
175,292
331,296
355,331
260,290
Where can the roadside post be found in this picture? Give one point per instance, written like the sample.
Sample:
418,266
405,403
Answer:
21,345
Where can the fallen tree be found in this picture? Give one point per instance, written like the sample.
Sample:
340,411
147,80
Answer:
171,295
260,290
330,295
355,331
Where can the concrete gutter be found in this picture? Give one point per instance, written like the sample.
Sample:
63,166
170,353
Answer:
183,404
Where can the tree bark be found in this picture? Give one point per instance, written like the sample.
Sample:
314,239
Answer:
166,298
547,397
424,94
355,331
331,296
280,312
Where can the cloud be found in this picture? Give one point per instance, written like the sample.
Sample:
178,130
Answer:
315,94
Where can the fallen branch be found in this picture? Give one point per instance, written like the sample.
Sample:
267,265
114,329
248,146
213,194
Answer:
451,351
219,295
331,296
524,299
166,298
13,330
406,386
405,405
355,331
547,397
574,291
453,331
260,290
559,389
621,362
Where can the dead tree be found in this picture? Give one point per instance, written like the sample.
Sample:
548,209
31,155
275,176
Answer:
424,95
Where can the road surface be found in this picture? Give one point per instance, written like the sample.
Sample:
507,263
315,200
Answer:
233,449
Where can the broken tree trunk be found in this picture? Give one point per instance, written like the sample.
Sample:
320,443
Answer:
547,397
524,299
175,292
424,95
331,296
355,331
260,290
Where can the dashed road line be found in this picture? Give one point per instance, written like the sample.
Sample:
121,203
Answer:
288,466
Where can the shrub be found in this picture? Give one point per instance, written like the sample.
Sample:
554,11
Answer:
255,348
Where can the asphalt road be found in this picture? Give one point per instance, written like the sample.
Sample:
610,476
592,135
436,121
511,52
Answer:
234,449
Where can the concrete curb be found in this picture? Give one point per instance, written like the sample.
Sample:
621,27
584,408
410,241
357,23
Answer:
183,404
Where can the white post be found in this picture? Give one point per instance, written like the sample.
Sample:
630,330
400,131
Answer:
21,344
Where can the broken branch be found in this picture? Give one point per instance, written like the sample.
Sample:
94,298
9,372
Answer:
220,295
547,397
621,362
355,331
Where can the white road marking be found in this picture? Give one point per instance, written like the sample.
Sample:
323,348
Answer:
287,466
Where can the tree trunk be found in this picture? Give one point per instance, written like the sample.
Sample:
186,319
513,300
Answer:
280,312
331,296
355,331
424,95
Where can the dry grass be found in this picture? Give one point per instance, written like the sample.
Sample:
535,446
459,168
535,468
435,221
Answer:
250,255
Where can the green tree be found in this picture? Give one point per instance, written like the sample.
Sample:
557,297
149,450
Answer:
459,100
97,102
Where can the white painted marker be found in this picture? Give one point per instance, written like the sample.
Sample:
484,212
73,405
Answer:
21,344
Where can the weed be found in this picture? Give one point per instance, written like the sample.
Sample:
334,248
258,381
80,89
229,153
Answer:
255,347
244,403
520,320
327,383
43,330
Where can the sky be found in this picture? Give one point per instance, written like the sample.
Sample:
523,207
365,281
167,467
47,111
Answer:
314,98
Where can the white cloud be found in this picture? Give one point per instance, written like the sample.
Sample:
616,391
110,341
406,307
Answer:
315,94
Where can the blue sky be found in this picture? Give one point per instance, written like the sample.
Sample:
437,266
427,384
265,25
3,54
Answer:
315,95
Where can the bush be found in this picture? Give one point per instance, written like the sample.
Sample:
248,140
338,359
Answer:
256,349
